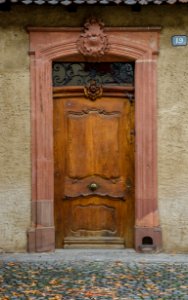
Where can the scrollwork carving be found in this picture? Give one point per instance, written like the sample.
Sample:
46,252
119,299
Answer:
93,42
93,90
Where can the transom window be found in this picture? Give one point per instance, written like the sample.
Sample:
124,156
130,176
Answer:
81,73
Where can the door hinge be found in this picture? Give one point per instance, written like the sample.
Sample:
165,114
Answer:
130,97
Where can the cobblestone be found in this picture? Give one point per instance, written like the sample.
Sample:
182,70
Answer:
93,280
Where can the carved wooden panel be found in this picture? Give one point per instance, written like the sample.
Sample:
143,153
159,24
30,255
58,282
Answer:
114,187
87,219
94,167
92,146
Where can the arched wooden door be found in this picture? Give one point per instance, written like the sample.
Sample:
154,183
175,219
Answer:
49,44
94,166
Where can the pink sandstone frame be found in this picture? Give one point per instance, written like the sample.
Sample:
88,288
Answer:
138,44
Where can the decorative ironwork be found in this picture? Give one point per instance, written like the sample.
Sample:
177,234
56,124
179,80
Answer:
93,91
93,42
81,73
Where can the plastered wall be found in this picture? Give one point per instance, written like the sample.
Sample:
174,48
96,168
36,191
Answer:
15,164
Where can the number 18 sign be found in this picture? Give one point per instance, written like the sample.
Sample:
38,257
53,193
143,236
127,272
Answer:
179,40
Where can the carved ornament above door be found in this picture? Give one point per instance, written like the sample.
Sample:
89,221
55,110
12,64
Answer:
93,42
93,90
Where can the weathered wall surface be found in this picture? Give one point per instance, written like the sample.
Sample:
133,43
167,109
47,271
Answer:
15,165
14,139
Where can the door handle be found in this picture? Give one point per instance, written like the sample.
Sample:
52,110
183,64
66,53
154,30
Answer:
93,186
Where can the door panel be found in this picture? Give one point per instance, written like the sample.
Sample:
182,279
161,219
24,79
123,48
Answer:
94,171
92,144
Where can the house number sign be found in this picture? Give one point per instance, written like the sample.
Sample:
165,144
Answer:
179,40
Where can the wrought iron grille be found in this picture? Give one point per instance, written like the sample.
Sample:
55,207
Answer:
81,73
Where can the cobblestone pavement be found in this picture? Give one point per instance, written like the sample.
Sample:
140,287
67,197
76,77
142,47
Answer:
92,280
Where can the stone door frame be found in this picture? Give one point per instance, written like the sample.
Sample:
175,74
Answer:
138,44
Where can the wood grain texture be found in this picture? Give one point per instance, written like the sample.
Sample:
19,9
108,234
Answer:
93,143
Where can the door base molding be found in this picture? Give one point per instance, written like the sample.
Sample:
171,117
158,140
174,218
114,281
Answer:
136,44
94,243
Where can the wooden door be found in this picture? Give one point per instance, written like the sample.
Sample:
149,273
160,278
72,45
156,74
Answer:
94,169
